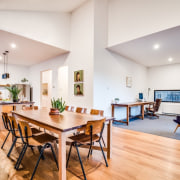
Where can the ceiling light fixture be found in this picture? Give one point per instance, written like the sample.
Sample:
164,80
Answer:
13,45
156,46
6,74
170,59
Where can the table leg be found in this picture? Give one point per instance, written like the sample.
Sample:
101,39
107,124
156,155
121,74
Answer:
62,156
127,115
142,111
109,140
112,113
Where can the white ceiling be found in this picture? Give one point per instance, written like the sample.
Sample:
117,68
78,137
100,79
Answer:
41,5
141,50
27,52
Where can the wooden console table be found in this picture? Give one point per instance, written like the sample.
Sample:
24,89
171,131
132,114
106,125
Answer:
128,106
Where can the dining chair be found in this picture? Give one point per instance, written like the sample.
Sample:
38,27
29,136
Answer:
15,132
100,113
81,110
27,108
6,126
97,112
93,133
177,120
69,108
42,142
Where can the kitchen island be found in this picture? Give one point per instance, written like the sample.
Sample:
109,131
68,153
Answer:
11,106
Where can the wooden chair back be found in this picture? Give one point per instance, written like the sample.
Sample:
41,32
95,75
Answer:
157,105
24,128
96,127
5,121
27,108
69,108
35,107
81,110
13,124
97,112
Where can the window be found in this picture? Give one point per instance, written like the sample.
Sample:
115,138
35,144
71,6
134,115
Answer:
167,95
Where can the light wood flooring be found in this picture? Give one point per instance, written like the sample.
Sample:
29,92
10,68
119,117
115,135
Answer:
135,156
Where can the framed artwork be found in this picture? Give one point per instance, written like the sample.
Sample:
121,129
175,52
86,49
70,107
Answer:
78,89
128,81
79,76
45,89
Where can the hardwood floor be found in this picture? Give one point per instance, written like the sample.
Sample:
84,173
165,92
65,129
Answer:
135,156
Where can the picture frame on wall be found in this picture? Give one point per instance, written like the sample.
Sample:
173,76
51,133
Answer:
45,89
78,89
128,81
79,76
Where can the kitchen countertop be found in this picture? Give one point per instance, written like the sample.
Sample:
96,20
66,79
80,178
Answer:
12,103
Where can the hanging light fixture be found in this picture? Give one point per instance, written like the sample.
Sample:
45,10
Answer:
6,74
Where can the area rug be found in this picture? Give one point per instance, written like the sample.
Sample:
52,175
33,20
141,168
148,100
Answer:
7,171
164,126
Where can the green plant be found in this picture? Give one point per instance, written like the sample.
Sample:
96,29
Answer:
14,92
58,104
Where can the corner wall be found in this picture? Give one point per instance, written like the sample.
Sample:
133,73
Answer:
131,19
110,69
46,27
165,78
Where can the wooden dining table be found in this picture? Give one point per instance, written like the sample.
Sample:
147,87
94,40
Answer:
64,124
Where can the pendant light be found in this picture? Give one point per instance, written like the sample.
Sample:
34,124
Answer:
6,74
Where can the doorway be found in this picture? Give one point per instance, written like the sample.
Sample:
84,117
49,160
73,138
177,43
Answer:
46,88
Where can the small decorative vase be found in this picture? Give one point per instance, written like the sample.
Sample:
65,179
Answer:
15,100
54,111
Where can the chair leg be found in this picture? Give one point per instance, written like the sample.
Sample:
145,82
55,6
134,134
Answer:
17,167
80,161
90,151
40,156
39,148
176,128
54,155
69,154
103,154
12,146
19,156
103,142
5,140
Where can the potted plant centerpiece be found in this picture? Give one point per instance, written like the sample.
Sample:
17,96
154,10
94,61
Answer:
58,106
14,92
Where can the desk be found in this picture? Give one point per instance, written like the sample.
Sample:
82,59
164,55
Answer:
63,124
128,106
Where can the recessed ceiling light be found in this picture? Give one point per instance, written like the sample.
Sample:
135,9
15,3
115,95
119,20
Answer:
170,59
156,46
1,58
13,45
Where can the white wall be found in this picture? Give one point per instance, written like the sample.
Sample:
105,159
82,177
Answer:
35,77
81,53
17,73
79,58
49,28
165,78
130,19
110,70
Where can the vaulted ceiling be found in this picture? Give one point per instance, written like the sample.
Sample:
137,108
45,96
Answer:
27,51
142,50
41,5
